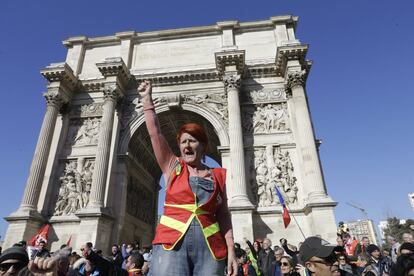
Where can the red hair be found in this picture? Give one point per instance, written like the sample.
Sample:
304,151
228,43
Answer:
196,131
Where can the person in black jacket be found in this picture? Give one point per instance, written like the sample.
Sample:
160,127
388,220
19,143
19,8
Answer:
265,257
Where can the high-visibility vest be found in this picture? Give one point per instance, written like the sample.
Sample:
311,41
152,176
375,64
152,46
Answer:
180,208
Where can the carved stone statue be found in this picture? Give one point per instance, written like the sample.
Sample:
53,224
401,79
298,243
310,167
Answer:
274,168
74,189
271,118
88,132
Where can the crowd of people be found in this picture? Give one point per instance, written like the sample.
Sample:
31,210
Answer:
315,256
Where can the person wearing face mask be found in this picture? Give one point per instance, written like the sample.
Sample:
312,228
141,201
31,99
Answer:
195,234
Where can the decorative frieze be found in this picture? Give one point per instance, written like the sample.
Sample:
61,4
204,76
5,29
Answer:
217,103
83,132
86,110
273,167
140,202
75,187
264,95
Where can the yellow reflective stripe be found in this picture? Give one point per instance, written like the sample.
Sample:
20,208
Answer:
173,223
193,208
209,247
211,230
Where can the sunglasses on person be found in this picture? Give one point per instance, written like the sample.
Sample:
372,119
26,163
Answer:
284,264
16,266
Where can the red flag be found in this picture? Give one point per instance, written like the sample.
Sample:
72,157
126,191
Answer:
69,240
286,216
42,235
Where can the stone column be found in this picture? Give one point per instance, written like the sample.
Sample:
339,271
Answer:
37,169
97,195
239,198
310,160
62,82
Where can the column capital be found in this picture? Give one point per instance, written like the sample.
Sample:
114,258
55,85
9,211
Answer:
295,78
60,74
112,92
54,98
227,59
231,80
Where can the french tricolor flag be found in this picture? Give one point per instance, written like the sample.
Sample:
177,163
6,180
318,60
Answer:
286,216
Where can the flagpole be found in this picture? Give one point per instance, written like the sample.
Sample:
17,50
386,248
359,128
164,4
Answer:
297,224
283,203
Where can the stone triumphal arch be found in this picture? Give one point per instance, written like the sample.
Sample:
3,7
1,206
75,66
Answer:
94,176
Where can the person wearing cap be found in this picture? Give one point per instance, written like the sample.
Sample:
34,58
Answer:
317,256
377,264
13,260
406,248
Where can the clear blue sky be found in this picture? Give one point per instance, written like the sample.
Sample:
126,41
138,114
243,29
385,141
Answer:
360,87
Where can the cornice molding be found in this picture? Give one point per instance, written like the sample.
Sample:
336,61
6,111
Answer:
216,29
193,76
115,67
230,58
61,73
292,52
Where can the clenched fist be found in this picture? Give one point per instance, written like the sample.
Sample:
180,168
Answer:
145,90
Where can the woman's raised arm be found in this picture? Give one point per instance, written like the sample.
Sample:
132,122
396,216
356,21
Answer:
163,153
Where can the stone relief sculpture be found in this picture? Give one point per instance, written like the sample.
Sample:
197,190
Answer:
74,188
214,102
133,109
140,202
83,132
264,95
87,110
274,168
271,118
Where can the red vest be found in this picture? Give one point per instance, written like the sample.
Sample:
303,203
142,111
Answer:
180,208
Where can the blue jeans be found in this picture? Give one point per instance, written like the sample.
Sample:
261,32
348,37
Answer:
191,256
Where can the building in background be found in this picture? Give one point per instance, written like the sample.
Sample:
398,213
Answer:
411,198
363,228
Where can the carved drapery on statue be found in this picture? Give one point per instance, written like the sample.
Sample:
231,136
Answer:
140,202
273,167
75,186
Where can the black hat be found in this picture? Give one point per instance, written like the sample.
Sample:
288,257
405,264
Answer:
372,247
15,252
315,246
407,246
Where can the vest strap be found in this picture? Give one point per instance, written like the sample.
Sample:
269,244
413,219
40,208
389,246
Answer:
175,224
211,230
